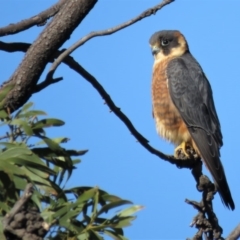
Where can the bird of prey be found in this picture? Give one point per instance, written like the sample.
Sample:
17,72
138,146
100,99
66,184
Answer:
183,105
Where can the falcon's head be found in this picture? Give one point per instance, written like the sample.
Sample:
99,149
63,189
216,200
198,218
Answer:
168,43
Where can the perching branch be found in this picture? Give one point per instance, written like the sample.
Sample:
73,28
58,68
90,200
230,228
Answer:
109,31
38,20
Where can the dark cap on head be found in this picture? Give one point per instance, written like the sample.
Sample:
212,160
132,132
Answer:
166,34
168,41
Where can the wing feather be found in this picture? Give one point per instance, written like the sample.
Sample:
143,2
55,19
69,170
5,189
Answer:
191,94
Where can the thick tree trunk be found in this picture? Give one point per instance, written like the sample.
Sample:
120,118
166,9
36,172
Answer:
53,36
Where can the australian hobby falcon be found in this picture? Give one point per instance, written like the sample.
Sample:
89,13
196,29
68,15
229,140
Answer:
183,105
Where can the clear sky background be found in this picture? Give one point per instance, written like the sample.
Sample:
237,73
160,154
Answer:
122,63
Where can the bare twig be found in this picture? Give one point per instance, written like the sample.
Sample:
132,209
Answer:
235,234
14,47
109,31
46,83
3,137
39,19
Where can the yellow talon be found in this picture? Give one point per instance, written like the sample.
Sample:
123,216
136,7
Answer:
182,148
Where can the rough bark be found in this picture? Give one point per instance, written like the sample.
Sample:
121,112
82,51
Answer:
53,36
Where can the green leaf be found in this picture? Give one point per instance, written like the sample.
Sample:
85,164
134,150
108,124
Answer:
124,222
52,145
114,235
26,106
24,125
80,190
68,220
95,205
111,205
3,114
32,113
9,188
15,152
87,195
76,161
76,153
64,209
110,198
19,182
83,236
36,198
94,235
35,178
56,140
48,122
21,153
44,152
70,214
39,132
10,168
38,172
47,215
5,90
129,211
5,207
12,145
59,152
27,163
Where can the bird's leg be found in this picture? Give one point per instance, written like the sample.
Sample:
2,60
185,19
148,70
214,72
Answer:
182,148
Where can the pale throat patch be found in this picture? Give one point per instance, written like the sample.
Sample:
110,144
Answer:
175,52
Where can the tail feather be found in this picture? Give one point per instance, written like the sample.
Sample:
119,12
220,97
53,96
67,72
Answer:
209,151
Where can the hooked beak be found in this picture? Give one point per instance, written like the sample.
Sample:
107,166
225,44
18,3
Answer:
155,50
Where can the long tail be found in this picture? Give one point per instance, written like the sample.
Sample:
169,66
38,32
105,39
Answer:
210,154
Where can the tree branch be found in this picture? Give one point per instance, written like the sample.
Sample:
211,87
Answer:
47,82
17,208
235,234
206,220
24,221
109,31
21,202
38,20
52,37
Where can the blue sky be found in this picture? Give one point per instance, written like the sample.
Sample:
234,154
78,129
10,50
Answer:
122,63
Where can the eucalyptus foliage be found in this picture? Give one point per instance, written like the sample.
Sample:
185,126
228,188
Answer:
28,154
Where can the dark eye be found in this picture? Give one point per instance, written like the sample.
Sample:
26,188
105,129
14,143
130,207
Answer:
165,42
